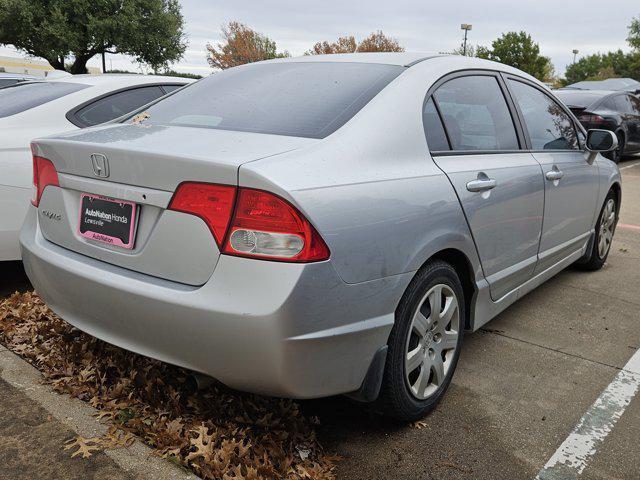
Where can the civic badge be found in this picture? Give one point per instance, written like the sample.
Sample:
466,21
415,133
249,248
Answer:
100,165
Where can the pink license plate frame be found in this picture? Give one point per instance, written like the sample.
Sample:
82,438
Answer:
102,237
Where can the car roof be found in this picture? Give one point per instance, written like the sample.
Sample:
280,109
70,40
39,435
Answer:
609,84
595,94
408,59
404,59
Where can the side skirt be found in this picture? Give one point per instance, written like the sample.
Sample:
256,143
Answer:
484,308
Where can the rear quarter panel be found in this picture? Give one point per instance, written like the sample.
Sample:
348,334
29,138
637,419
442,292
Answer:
609,174
371,188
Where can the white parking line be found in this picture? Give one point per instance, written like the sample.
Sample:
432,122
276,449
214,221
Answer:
629,166
575,452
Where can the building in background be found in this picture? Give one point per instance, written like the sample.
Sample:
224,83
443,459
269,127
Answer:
31,66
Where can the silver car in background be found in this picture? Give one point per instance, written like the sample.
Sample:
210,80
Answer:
320,225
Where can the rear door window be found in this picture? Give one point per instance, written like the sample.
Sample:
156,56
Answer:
635,104
623,104
116,105
21,97
609,104
4,82
171,88
549,126
433,128
476,115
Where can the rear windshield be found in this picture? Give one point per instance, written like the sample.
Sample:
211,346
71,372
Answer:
8,81
23,96
297,99
578,99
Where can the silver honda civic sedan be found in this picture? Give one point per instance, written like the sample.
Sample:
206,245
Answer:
320,225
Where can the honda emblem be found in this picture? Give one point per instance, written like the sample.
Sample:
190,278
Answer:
100,165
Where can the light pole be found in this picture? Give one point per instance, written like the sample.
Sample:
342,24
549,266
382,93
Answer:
466,27
575,52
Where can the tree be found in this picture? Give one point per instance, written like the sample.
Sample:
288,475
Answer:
376,42
520,51
600,66
470,51
76,30
242,45
169,73
342,45
379,42
634,34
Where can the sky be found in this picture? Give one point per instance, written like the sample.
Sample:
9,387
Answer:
559,26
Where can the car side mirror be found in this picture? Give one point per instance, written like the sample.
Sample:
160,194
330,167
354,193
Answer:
601,141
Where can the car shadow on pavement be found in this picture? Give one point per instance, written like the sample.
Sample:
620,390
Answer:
13,278
350,414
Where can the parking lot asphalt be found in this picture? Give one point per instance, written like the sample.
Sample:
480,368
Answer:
523,383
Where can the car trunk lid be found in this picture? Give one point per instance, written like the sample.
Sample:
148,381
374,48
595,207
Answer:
144,166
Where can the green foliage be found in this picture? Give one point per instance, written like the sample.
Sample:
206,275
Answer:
634,34
149,30
601,66
604,65
173,73
520,51
471,51
169,73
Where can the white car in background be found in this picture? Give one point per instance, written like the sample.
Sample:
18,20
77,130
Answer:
40,108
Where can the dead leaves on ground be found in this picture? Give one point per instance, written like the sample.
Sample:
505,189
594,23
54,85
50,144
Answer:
83,446
114,438
215,432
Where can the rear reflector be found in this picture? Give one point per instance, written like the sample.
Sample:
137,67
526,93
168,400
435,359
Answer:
262,225
44,174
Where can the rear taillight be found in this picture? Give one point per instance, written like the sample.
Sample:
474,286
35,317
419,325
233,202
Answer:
212,203
252,223
266,226
44,174
591,119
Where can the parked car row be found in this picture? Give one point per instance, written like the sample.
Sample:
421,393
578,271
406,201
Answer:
312,226
37,108
616,111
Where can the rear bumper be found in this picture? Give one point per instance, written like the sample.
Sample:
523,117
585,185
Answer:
13,208
272,328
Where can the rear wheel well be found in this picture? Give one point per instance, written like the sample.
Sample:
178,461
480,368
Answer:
617,191
462,266
620,132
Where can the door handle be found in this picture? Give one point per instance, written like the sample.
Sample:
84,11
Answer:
481,184
554,174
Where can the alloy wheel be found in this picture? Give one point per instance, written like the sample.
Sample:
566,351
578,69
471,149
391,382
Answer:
607,225
432,341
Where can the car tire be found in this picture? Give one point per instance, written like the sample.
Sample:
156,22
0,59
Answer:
424,347
605,228
617,154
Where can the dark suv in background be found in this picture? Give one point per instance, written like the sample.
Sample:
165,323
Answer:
608,110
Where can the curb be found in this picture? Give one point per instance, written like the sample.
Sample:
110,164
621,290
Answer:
137,460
